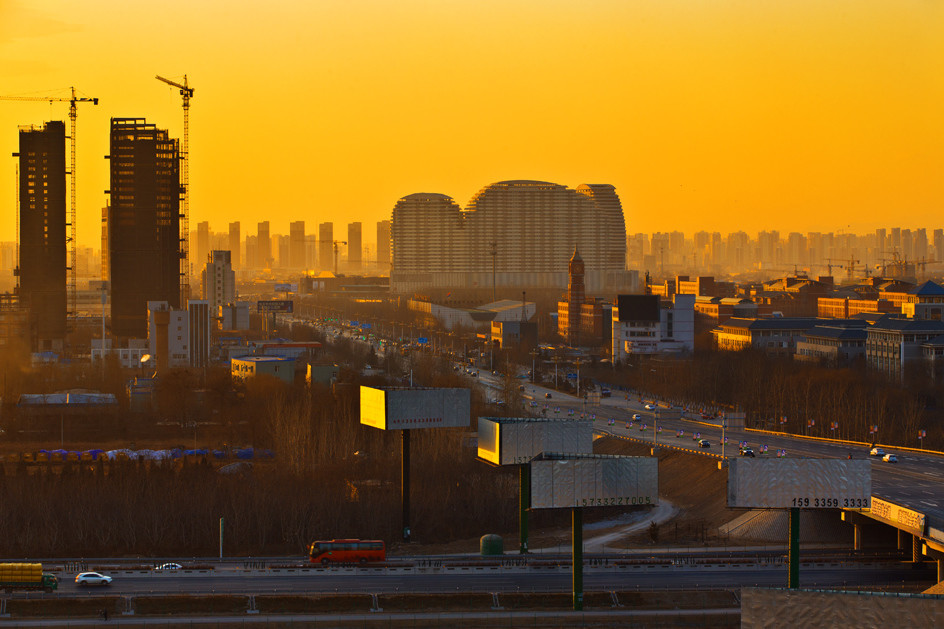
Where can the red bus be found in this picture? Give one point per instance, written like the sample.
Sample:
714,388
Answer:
347,551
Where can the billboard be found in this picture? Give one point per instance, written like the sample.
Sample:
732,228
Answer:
407,409
639,308
593,480
805,483
516,440
275,305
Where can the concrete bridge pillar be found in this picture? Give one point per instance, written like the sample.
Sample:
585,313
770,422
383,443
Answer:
857,536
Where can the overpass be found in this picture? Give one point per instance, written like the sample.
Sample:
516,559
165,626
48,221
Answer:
908,495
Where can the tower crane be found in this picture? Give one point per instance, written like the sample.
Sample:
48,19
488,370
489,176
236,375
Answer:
186,93
73,100
335,244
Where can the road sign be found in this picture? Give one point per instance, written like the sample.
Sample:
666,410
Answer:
571,376
422,340
275,305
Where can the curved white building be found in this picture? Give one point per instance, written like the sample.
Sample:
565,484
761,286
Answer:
519,232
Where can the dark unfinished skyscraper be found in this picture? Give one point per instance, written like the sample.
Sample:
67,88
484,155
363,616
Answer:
42,264
144,223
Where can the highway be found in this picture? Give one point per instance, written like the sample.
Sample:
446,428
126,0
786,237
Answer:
498,579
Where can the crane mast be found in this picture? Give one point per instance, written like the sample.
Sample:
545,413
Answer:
186,93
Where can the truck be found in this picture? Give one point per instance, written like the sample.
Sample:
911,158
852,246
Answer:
26,576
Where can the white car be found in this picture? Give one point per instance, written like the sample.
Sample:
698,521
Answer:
650,407
890,458
876,452
92,578
169,566
636,416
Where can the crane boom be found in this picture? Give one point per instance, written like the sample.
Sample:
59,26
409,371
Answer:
186,92
71,218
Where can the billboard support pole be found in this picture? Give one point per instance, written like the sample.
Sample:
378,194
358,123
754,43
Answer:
405,481
577,556
794,578
524,501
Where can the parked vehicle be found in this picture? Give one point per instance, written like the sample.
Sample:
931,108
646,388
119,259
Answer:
92,578
26,576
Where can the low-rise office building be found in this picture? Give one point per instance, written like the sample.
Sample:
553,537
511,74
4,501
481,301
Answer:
834,342
776,335
894,343
641,324
279,367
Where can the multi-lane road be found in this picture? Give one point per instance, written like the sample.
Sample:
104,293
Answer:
916,481
495,578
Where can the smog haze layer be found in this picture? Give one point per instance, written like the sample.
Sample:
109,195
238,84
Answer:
722,115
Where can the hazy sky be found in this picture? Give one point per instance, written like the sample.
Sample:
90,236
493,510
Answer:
705,114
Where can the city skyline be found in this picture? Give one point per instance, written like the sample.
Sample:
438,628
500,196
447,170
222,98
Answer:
720,117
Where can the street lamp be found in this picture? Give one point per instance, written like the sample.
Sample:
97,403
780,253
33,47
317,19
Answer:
577,364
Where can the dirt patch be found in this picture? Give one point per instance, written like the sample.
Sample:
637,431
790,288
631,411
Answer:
691,482
198,605
521,601
700,599
59,607
275,604
435,602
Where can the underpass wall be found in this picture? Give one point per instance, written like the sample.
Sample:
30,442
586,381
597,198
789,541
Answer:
763,607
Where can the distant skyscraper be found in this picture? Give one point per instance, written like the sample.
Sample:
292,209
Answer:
282,244
263,247
219,281
199,318
326,246
143,223
235,242
938,235
203,242
355,246
43,232
383,245
296,254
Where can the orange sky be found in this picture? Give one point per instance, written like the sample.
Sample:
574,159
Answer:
705,114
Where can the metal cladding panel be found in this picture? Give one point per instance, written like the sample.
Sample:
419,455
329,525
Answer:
427,408
593,481
804,483
374,407
488,440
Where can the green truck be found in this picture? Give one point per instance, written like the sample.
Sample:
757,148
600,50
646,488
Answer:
26,576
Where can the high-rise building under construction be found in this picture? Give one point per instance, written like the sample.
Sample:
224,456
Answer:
144,223
42,237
